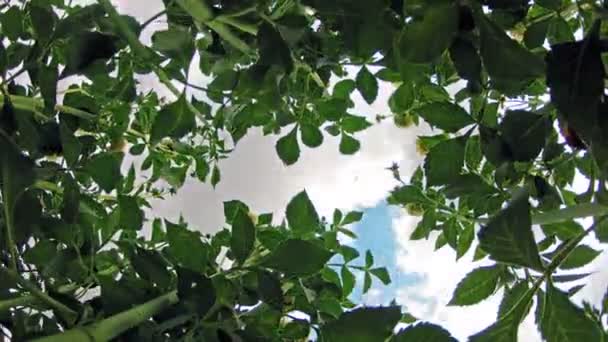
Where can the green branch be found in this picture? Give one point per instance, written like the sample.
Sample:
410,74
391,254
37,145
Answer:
114,326
65,312
30,300
34,105
564,214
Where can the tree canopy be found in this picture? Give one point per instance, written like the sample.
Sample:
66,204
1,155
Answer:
530,115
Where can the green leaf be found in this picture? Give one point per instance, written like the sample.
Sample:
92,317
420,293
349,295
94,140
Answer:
559,31
173,42
580,256
131,216
382,274
503,58
367,282
563,230
476,286
344,88
186,247
425,40
444,162
269,287
348,281
352,217
47,81
231,208
297,257
369,259
71,199
215,175
465,239
301,214
43,21
536,34
408,194
505,329
243,235
151,266
287,147
71,145
560,320
274,51
525,133
362,325
402,98
466,60
12,23
87,48
311,135
446,116
508,236
424,332
511,298
367,85
104,168
174,120
352,123
348,144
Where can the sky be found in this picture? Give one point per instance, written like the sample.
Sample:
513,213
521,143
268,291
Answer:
423,279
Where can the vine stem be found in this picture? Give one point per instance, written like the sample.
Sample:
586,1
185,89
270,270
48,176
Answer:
114,326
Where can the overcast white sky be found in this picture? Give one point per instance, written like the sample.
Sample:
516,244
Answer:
255,175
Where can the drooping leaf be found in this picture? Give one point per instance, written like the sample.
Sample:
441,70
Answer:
466,60
311,135
242,238
297,257
87,48
560,320
362,325
131,216
348,144
274,51
508,236
174,120
151,266
367,85
71,145
270,289
445,161
186,247
525,133
446,116
104,168
425,40
287,147
503,58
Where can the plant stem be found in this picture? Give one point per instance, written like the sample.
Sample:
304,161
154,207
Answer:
564,214
33,104
28,300
114,326
68,314
154,17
